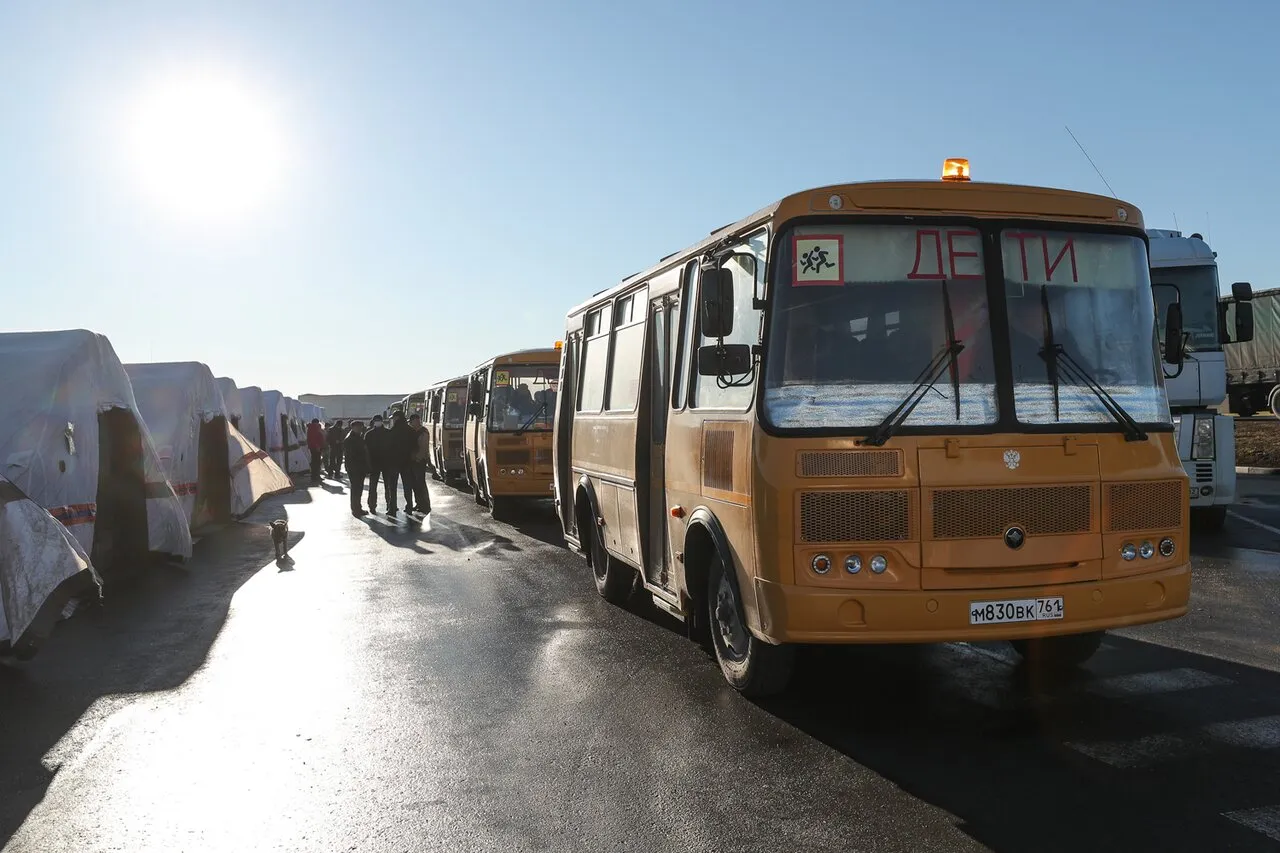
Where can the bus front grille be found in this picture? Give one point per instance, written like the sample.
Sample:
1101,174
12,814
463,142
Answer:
988,512
1144,506
863,516
512,457
850,463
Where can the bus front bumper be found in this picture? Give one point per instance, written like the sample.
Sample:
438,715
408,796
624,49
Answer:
794,614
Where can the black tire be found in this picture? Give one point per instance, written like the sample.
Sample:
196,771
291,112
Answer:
1273,401
751,666
615,581
1208,518
1058,652
500,508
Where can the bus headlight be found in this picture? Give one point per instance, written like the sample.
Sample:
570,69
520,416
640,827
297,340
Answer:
821,564
1146,550
879,564
1128,551
1166,547
1202,439
853,564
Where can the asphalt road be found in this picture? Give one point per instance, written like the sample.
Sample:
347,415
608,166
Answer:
457,685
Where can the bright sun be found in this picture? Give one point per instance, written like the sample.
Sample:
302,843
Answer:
205,146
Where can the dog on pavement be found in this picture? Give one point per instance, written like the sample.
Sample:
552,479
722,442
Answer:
280,537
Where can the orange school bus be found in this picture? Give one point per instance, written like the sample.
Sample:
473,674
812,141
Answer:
511,403
902,412
444,419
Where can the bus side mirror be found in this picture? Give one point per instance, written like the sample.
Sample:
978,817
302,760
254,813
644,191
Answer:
724,360
1173,334
717,303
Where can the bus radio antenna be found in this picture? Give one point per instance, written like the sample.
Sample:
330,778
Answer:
1091,163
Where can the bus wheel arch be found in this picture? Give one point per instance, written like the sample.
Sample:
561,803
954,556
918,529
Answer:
615,581
750,664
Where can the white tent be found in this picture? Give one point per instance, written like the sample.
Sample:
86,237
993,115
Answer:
275,413
252,423
217,473
72,441
299,459
42,567
231,402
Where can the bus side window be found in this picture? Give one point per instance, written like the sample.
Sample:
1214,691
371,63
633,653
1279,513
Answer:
681,384
746,328
628,350
595,354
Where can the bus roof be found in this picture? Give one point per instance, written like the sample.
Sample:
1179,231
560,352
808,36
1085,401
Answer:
900,198
444,383
523,356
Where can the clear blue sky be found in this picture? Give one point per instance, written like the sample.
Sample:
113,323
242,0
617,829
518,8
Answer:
516,157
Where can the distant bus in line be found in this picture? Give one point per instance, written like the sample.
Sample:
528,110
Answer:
511,403
883,413
444,418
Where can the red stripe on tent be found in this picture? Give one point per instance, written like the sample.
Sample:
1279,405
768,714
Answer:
75,514
184,489
243,461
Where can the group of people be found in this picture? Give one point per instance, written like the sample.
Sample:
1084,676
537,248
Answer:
397,456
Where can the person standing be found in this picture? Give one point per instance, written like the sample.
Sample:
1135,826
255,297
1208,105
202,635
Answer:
357,455
400,444
418,463
376,442
337,435
315,444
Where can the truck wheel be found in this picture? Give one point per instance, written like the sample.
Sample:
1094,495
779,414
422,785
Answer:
750,665
615,581
1273,401
1208,517
1058,652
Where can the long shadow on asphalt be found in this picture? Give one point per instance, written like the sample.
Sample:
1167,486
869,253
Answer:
1030,761
147,636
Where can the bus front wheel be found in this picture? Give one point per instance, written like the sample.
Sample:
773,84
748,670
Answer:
750,665
1058,652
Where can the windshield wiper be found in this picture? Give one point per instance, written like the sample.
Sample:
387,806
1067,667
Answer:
925,381
1051,364
541,408
1076,374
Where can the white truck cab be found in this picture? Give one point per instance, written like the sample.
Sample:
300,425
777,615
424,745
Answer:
1185,270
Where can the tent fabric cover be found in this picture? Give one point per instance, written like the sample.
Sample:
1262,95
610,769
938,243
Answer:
175,399
250,410
273,406
53,386
230,396
299,458
41,566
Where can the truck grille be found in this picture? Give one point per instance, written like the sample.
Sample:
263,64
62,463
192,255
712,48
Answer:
988,513
1204,472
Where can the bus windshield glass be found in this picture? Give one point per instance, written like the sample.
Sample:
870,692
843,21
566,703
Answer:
455,412
1197,289
860,312
524,397
1091,294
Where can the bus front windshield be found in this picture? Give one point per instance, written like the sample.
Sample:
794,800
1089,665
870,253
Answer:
455,412
523,397
860,313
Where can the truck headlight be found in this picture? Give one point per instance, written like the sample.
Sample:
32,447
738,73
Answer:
1202,440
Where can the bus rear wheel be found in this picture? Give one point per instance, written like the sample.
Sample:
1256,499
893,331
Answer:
751,666
615,581
1273,401
1058,652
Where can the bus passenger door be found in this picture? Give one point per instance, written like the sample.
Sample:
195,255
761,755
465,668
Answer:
562,448
660,352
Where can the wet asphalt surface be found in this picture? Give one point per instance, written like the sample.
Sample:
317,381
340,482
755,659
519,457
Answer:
457,685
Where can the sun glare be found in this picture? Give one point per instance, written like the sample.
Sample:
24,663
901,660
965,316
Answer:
205,146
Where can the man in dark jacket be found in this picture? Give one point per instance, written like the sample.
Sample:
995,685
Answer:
358,466
336,435
418,464
401,442
377,441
